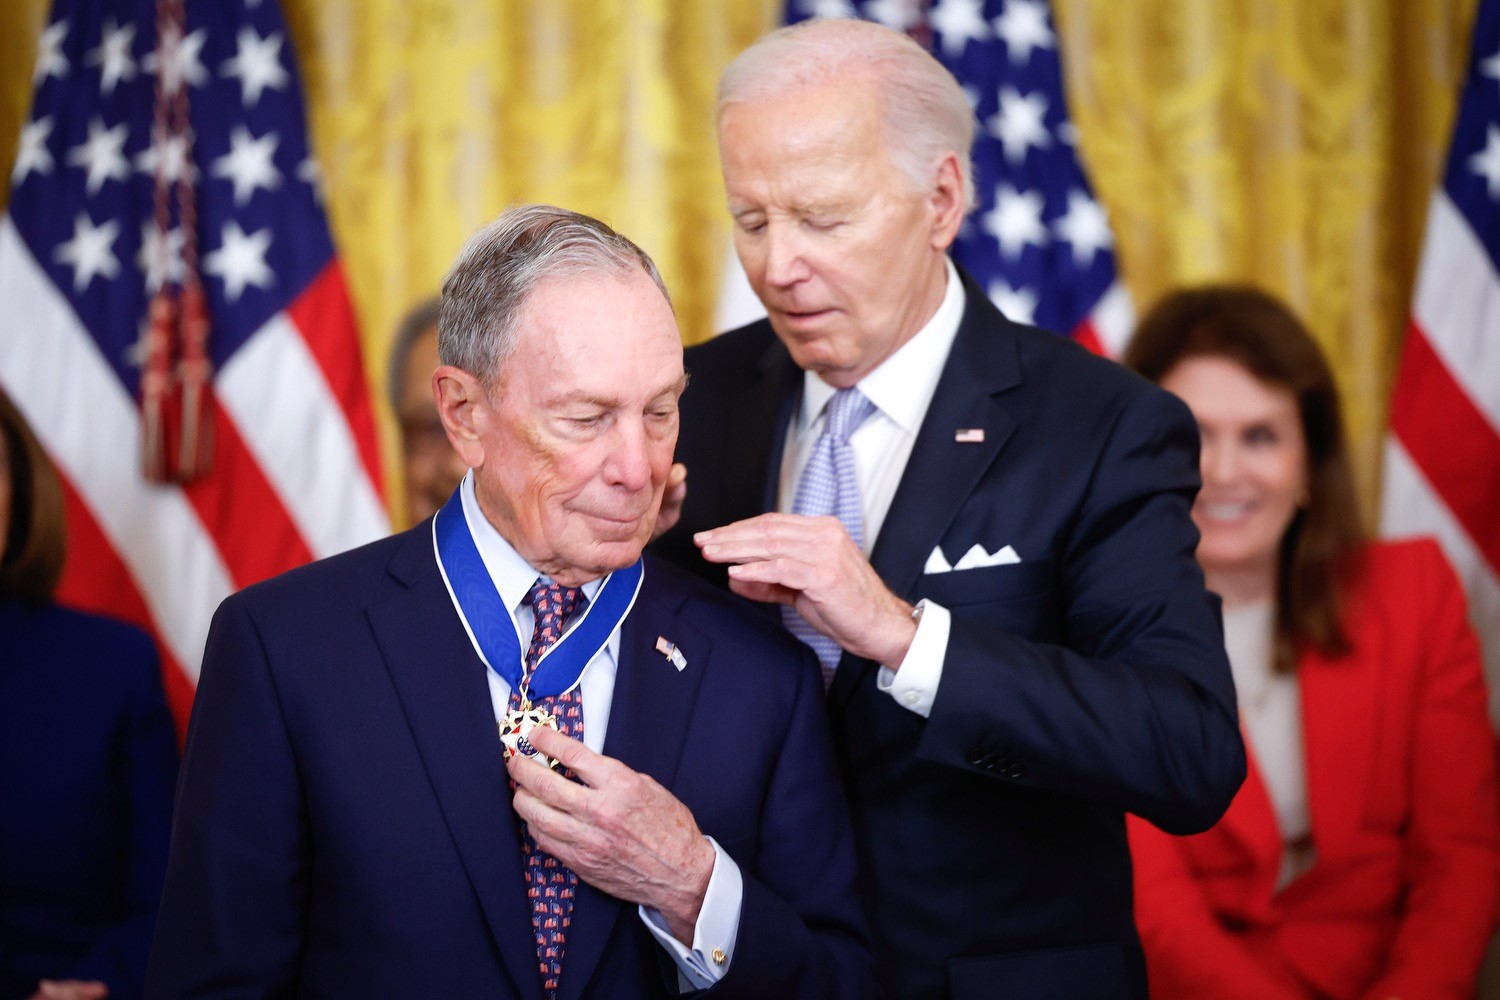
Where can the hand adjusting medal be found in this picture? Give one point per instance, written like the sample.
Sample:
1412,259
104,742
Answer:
494,635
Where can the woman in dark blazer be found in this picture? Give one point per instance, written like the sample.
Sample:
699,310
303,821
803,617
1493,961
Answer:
88,761
1361,858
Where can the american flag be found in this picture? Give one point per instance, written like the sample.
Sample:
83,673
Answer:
1038,240
1442,458
112,199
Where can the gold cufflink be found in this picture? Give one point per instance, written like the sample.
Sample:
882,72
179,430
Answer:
719,957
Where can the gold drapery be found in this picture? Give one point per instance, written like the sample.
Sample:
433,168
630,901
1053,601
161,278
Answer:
1290,143
1293,144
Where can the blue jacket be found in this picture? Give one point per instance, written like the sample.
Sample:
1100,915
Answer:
88,759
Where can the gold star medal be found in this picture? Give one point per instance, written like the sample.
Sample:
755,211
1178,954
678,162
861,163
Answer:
517,725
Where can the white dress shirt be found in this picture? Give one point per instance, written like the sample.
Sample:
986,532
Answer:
1271,715
901,389
718,921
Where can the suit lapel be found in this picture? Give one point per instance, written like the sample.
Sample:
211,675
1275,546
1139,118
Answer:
1339,732
943,472
649,720
443,689
756,439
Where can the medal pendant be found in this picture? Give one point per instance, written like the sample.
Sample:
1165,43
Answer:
517,725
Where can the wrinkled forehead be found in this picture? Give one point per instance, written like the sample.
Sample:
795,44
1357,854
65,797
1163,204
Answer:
598,327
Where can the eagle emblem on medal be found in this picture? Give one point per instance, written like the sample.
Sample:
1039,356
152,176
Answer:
517,726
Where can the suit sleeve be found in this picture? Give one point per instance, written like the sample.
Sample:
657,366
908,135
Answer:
1189,953
1453,838
146,764
1134,705
232,912
801,934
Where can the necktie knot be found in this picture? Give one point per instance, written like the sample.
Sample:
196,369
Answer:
551,604
846,411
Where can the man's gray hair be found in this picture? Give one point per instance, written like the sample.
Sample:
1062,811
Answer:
925,112
486,290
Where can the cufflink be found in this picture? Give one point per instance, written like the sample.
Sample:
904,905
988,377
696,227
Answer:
719,957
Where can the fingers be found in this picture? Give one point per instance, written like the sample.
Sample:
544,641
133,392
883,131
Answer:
771,536
767,593
672,499
591,768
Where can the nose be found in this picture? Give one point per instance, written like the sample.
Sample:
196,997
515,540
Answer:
785,264
1217,462
629,465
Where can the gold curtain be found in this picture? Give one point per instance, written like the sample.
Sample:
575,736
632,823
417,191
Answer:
1291,143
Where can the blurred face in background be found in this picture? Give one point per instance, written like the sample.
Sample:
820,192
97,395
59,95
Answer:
432,467
1254,464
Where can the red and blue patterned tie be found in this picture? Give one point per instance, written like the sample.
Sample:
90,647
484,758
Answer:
549,883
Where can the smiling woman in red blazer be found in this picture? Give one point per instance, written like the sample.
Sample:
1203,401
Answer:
1361,858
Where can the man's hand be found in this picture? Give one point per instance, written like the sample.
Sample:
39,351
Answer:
620,831
671,501
813,564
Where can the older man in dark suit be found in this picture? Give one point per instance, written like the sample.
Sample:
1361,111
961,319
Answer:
982,529
346,824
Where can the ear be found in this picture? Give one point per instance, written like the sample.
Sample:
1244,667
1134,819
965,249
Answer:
464,408
947,200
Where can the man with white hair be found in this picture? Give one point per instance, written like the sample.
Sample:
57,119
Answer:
363,810
982,529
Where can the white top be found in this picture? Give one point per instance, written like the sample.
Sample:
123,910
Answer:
718,922
901,389
1271,715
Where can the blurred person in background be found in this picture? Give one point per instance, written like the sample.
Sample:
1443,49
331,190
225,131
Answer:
88,760
1361,858
431,467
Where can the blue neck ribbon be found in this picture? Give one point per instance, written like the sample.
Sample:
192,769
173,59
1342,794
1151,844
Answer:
491,628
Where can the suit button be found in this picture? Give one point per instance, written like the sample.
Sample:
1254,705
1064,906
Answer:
980,758
1014,771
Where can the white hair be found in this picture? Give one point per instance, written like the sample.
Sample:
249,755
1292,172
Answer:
924,110
502,264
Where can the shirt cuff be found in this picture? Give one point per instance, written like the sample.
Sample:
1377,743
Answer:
715,932
915,684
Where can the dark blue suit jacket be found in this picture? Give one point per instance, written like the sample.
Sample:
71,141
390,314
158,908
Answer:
88,758
344,825
1085,681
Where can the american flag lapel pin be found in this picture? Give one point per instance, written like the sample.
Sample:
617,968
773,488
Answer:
969,435
671,652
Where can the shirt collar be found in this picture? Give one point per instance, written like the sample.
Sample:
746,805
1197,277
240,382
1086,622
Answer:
512,575
903,384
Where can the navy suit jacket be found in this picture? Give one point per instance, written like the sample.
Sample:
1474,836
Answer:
88,757
1087,680
344,825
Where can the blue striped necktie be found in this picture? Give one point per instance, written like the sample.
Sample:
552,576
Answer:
828,487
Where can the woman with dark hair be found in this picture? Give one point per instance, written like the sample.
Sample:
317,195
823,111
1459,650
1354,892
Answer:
88,761
1361,858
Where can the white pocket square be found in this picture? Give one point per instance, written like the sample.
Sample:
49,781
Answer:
975,558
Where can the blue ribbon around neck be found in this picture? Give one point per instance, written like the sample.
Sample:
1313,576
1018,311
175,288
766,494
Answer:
491,628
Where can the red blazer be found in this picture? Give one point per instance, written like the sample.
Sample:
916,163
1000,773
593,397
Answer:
1401,776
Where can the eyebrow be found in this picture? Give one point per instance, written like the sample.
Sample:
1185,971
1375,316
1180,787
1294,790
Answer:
678,386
